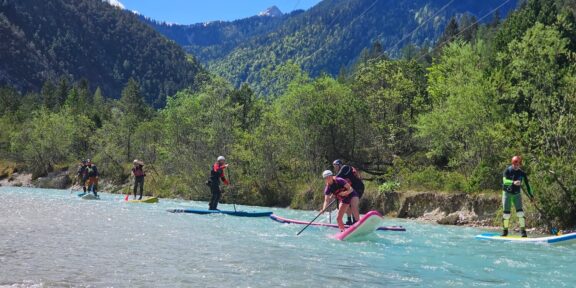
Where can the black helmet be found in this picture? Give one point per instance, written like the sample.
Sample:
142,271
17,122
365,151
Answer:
337,162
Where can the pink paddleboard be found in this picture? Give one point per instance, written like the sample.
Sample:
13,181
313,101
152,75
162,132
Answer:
365,226
331,225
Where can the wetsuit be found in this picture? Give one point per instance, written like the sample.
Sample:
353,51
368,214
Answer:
216,174
512,194
337,187
349,173
92,178
139,174
83,174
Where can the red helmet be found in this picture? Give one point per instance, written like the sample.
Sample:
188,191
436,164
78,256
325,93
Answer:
517,160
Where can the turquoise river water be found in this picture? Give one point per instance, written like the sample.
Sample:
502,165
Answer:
51,238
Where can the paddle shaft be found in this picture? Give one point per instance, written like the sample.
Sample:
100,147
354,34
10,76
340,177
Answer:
133,183
323,210
543,215
234,194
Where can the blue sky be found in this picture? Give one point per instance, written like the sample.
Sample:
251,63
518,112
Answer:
197,11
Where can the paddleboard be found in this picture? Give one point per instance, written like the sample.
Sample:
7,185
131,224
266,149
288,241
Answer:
226,212
331,225
364,227
518,239
89,196
148,200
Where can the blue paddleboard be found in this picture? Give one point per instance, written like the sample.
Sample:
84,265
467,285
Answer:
88,196
517,239
227,212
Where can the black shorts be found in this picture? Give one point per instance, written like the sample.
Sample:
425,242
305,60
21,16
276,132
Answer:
359,191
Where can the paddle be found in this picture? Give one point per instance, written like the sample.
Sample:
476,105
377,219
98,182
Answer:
234,194
72,187
546,219
74,183
128,195
323,210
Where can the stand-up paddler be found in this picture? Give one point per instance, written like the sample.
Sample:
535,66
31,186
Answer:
82,174
339,188
138,173
217,174
351,175
92,177
512,194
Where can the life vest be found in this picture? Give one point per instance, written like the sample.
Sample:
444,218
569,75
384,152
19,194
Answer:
217,173
92,170
138,171
351,175
338,186
83,170
356,173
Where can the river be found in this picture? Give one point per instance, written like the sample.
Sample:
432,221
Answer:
51,238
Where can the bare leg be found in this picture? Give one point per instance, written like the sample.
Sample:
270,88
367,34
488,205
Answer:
349,214
354,208
341,211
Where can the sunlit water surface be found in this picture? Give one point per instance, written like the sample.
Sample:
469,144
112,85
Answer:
51,238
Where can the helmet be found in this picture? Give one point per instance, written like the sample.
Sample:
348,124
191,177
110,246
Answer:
83,161
135,161
327,174
88,161
221,158
517,160
337,162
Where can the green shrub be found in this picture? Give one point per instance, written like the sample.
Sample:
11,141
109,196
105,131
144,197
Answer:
429,178
388,187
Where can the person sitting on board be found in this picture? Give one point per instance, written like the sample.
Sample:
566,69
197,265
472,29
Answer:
92,177
512,187
82,174
138,173
350,174
217,174
343,191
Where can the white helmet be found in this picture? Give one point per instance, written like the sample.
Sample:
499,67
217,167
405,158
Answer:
327,173
221,158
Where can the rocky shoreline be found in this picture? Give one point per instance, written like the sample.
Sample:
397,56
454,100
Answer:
472,210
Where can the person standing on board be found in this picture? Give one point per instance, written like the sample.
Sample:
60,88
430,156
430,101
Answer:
217,174
138,173
351,175
512,193
341,189
92,177
82,174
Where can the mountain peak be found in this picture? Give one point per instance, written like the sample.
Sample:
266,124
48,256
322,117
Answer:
271,12
115,3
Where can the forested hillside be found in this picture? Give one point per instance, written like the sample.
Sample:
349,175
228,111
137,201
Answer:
325,38
214,40
445,120
47,40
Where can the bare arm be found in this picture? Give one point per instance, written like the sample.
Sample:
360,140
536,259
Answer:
348,190
326,202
